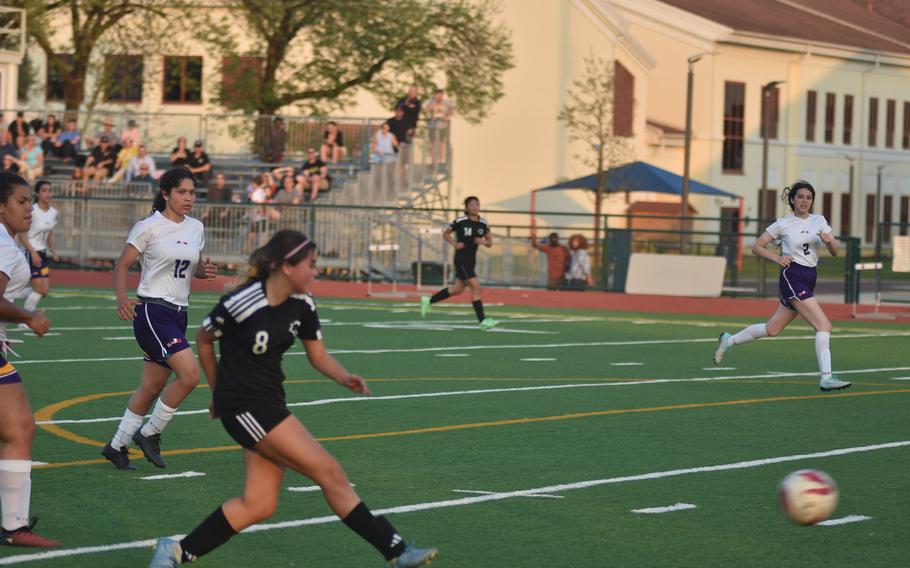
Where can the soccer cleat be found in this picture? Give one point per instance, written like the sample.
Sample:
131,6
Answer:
151,447
721,347
414,557
167,554
25,537
833,383
120,458
488,323
424,306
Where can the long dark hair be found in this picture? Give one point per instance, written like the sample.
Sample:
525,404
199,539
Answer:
789,193
287,246
8,182
169,181
468,200
38,185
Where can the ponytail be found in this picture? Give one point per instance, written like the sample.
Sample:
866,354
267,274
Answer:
169,181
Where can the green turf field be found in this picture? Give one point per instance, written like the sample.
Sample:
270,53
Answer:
529,446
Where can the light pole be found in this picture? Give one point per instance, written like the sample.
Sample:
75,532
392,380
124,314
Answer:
765,114
684,207
850,192
878,213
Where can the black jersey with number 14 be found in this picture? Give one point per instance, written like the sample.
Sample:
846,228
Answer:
466,231
254,337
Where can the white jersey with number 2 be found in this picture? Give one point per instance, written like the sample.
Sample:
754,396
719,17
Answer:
168,254
799,237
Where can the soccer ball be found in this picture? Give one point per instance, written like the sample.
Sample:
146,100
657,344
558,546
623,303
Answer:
807,496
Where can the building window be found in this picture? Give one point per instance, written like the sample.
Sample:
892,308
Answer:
240,81
773,112
827,200
54,83
810,115
848,119
623,100
905,214
829,118
905,138
845,214
734,116
123,78
182,80
887,207
873,122
890,119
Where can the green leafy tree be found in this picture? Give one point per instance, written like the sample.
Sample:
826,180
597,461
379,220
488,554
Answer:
316,54
589,118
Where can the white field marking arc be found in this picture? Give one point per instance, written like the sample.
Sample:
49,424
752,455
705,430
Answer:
447,503
844,520
667,509
172,475
494,493
364,399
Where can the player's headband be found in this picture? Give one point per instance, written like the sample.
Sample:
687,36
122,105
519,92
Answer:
296,249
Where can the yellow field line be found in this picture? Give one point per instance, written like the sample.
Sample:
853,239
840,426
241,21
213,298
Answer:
493,423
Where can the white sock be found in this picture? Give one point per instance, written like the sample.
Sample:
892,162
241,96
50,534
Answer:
160,417
754,331
15,492
823,352
32,301
128,426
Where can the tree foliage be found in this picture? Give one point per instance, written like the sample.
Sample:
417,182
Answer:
316,54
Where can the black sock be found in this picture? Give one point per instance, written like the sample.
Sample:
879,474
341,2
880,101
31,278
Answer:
376,530
440,296
478,309
214,531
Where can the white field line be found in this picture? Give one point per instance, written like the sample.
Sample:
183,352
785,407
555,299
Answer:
900,378
844,520
364,399
718,368
463,501
173,475
668,509
308,488
494,493
452,355
537,359
626,364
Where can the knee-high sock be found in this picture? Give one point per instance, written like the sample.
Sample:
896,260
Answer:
160,417
440,296
128,426
15,492
31,302
214,531
755,331
376,530
478,309
823,352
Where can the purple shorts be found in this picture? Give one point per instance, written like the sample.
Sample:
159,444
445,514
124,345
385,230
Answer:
160,331
797,282
8,374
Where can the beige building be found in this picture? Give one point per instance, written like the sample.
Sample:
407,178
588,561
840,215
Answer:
12,49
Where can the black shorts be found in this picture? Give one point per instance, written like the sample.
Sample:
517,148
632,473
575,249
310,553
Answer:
249,426
464,270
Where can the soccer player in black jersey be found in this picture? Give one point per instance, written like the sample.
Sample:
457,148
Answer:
256,324
466,234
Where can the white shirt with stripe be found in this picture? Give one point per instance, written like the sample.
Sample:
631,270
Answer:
168,254
799,237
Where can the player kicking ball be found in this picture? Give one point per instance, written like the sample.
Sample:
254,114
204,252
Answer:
800,235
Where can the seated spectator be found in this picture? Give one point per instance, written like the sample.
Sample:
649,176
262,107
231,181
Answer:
100,163
384,145
141,159
49,133
219,191
7,144
314,174
332,143
18,127
199,163
276,142
144,175
179,154
92,142
131,132
77,185
288,191
557,259
579,276
13,164
33,156
69,142
124,157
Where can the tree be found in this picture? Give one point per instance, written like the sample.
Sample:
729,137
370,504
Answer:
589,117
316,53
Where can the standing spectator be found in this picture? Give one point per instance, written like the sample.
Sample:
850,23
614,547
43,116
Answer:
411,106
440,110
49,132
220,191
258,192
332,143
141,159
180,153
199,163
69,142
276,143
77,184
399,127
131,132
18,127
315,174
100,162
7,145
579,275
384,145
33,156
557,259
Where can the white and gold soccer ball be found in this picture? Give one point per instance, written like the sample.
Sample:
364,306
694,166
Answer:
808,496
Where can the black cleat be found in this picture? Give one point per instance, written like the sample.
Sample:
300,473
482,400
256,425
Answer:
120,458
151,447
